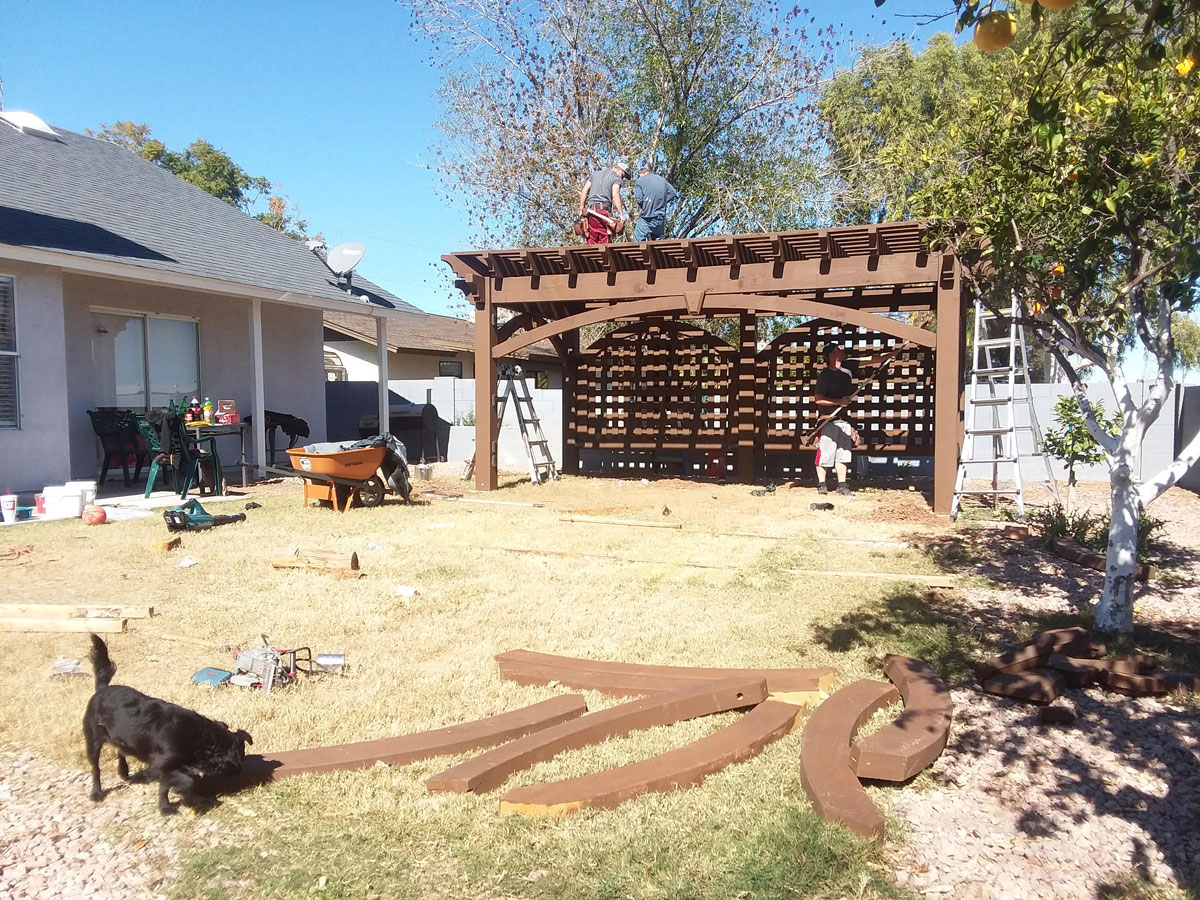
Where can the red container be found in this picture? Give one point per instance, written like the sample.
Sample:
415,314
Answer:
39,503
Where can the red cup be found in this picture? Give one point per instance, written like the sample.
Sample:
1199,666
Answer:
39,503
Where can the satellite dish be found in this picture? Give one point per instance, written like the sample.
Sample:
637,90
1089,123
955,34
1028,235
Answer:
344,257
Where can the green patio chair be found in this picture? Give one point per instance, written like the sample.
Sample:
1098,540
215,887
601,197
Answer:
194,452
160,458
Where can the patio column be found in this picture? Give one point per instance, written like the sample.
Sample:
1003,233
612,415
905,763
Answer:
570,449
258,404
947,387
381,356
485,390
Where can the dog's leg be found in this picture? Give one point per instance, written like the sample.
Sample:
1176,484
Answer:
184,786
122,766
93,742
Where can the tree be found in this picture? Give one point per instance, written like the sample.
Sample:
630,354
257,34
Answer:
1071,441
212,170
1077,191
716,95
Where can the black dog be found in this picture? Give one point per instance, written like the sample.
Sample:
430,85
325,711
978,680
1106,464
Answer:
176,744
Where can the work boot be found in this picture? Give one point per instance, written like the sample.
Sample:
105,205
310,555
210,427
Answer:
822,489
844,489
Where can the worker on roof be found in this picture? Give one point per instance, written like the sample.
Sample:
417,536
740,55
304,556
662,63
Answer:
653,193
600,206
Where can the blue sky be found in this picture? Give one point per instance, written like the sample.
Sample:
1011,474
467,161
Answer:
334,102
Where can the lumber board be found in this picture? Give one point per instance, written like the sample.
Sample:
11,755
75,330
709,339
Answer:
633,523
491,769
1153,684
937,581
680,768
1074,641
1082,672
302,558
901,749
826,773
1073,552
1035,685
62,611
620,679
98,626
398,751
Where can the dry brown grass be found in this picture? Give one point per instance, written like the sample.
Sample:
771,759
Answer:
425,661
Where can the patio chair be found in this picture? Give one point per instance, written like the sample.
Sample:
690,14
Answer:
119,441
196,455
160,458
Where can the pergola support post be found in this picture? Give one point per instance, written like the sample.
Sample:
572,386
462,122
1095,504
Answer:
947,396
744,390
570,449
486,427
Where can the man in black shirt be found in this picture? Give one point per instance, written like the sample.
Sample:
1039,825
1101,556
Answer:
831,392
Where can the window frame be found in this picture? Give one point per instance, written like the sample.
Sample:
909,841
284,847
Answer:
450,362
145,317
16,356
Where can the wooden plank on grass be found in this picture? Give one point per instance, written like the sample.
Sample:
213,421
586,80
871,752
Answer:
61,611
944,581
98,626
632,523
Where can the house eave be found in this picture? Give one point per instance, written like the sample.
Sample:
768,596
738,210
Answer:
102,268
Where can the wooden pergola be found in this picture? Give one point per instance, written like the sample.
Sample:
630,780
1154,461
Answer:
708,395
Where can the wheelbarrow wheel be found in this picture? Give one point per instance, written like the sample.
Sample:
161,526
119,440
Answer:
370,492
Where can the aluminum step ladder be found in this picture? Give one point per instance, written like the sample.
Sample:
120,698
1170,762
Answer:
541,462
998,361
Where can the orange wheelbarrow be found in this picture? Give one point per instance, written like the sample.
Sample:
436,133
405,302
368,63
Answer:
343,478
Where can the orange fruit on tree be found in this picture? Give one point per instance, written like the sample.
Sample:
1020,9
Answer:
1055,293
1058,269
995,31
1057,4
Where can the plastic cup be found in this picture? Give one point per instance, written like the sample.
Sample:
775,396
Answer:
8,507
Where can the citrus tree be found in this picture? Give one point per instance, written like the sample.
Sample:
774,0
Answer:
1070,441
1077,191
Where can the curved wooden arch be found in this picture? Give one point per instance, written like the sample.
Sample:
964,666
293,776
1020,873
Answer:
786,306
525,322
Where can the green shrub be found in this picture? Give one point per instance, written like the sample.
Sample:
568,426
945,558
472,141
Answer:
1091,530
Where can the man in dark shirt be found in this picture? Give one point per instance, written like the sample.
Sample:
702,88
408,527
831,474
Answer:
600,203
834,386
653,193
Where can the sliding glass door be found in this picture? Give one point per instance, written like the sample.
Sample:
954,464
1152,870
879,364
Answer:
141,362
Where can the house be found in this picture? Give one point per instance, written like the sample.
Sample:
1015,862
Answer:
421,346
123,285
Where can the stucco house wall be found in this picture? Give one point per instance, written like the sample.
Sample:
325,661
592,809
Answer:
38,448
359,360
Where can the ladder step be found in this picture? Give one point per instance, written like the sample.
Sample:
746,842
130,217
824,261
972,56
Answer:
991,401
990,431
978,492
995,342
999,370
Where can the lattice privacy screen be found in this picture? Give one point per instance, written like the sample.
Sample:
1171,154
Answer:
660,384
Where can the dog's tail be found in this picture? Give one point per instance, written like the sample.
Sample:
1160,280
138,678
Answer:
104,667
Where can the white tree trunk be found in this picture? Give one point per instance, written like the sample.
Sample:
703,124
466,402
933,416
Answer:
1114,612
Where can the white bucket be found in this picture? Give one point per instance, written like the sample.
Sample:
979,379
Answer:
87,489
8,507
53,494
72,500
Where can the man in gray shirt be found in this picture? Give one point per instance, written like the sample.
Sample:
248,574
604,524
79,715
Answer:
653,193
600,203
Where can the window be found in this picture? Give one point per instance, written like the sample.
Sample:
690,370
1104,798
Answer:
334,369
143,362
9,406
449,369
541,380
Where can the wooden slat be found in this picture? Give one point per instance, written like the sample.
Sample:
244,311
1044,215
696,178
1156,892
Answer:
99,626
57,611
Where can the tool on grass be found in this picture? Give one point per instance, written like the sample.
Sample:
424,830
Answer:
863,383
193,517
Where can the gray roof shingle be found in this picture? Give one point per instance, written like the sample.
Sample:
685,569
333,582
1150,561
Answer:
88,197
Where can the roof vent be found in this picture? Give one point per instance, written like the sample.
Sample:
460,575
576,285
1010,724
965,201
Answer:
28,123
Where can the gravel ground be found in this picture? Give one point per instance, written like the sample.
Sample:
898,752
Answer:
1013,809
55,844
